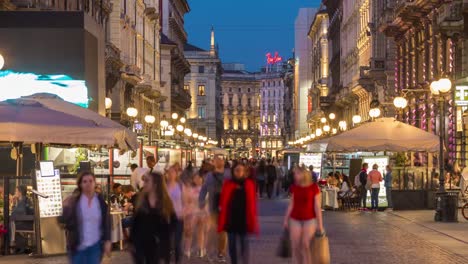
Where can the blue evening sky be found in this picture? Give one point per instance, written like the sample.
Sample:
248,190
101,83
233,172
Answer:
245,29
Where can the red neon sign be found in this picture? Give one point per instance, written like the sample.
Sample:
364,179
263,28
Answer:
273,60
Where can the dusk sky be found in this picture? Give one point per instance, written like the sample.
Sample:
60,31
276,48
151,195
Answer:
245,29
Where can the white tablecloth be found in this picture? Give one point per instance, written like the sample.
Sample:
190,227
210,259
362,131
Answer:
116,227
330,198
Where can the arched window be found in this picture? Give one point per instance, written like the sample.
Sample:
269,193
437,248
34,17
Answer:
239,142
248,143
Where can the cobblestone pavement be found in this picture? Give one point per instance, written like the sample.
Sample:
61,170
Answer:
355,237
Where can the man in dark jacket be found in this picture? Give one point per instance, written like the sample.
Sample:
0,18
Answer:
362,188
271,178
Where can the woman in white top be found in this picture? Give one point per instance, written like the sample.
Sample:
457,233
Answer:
345,185
176,192
86,219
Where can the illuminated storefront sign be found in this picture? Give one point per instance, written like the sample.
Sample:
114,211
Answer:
15,85
461,95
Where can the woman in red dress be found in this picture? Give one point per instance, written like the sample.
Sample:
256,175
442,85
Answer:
304,215
238,212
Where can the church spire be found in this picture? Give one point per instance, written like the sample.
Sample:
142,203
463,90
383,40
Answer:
212,47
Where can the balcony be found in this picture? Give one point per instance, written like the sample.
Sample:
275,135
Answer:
407,14
180,97
151,12
131,74
113,65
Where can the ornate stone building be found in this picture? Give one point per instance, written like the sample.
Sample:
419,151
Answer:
430,38
241,109
133,60
272,89
318,35
204,85
174,65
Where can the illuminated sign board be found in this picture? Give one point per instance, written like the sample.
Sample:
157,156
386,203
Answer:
461,95
15,85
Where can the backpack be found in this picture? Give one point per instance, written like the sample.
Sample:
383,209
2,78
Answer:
217,192
357,180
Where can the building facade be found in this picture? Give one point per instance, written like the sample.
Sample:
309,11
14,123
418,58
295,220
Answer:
133,61
272,118
174,65
430,39
241,110
204,84
318,35
303,64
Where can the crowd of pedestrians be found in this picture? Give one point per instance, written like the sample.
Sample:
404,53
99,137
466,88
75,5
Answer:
176,213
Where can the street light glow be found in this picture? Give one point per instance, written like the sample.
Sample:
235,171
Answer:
400,102
150,119
164,123
107,102
326,128
323,120
374,112
357,119
182,120
180,128
175,116
318,132
132,112
332,116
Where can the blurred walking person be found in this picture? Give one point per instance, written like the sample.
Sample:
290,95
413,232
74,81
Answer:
87,223
304,215
195,218
271,178
262,175
375,177
238,213
175,188
388,186
212,187
154,222
362,187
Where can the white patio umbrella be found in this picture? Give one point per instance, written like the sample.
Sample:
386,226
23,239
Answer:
384,134
50,120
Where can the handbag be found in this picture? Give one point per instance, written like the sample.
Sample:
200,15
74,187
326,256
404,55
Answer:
320,248
284,248
368,184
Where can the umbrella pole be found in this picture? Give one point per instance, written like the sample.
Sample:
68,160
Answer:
19,158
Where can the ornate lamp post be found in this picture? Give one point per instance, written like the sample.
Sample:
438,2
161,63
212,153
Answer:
356,119
108,106
440,89
150,119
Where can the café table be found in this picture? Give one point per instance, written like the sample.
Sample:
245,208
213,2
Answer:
330,198
116,227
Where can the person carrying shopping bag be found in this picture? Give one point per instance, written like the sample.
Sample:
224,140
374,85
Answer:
304,215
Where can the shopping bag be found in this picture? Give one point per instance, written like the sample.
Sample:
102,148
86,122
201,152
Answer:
320,249
284,248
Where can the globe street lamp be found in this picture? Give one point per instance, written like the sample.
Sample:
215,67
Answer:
332,116
326,128
108,105
356,119
342,125
400,103
175,116
318,132
132,112
323,120
374,113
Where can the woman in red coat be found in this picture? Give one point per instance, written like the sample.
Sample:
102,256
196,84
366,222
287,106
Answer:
238,212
